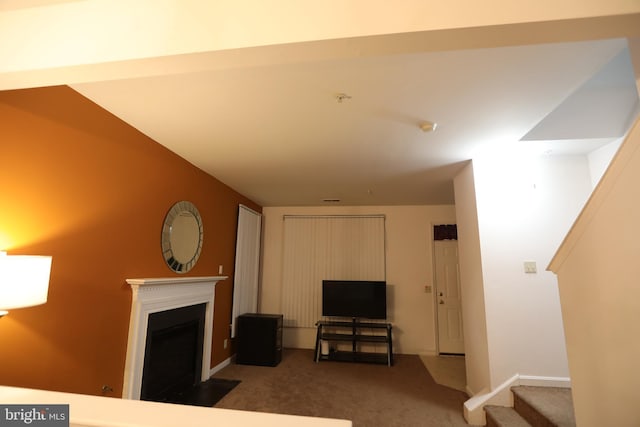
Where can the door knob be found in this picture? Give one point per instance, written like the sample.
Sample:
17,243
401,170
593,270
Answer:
441,294
441,302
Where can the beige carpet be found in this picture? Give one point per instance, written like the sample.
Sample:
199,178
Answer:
403,395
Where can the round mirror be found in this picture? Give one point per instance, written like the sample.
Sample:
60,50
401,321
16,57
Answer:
182,237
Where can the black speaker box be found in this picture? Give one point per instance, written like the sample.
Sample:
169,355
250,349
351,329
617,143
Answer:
259,339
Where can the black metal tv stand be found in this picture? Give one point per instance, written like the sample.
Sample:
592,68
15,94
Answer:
355,332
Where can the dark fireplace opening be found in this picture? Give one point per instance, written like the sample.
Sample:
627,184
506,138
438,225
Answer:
173,353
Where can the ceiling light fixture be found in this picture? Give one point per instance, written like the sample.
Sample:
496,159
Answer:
428,126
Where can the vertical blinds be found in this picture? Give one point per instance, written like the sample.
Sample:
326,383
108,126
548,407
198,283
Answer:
247,268
327,247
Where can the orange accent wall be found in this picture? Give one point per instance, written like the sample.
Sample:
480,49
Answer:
79,184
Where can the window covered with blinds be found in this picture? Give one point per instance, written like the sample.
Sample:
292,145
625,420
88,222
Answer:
327,247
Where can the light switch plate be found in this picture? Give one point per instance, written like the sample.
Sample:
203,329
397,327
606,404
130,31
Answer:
530,267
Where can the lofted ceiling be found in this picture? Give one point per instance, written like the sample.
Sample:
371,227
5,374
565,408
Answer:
313,119
282,135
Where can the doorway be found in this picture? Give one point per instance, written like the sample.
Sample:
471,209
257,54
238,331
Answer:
449,331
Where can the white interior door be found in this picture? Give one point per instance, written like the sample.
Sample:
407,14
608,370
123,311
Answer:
449,303
247,267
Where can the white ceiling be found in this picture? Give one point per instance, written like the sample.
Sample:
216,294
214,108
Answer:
277,134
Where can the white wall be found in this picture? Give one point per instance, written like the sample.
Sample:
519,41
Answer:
526,204
599,160
473,306
597,267
409,262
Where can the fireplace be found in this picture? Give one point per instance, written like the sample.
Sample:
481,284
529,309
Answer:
153,328
173,352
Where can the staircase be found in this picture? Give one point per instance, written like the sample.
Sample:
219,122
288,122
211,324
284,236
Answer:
534,407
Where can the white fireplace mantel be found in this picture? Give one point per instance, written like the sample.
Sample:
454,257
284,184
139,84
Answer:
153,295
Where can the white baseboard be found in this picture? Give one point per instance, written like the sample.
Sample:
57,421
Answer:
501,396
474,408
219,366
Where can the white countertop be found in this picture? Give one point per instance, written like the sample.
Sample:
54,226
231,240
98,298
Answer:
94,411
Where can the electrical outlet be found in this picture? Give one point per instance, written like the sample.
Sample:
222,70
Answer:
220,269
226,342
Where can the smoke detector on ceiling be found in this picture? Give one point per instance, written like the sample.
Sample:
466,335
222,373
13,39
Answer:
428,126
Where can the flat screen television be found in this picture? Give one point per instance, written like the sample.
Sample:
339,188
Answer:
354,298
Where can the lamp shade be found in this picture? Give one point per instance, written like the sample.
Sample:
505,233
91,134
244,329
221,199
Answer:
24,280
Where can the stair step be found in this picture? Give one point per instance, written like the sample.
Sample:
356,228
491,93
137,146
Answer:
503,416
544,406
